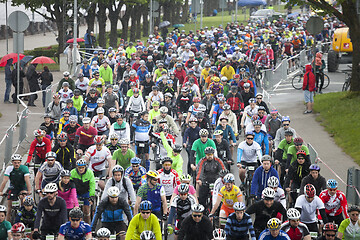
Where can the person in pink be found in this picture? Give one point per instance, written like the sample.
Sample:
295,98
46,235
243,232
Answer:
185,178
67,190
270,53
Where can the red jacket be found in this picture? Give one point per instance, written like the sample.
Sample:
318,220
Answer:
180,75
40,148
309,79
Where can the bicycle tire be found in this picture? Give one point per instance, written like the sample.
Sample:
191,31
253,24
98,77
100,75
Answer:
345,86
297,81
326,81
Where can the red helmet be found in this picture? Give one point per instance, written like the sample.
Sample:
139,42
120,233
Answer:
196,99
301,152
18,228
309,190
98,140
330,227
298,141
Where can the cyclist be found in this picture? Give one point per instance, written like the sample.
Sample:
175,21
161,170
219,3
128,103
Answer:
140,133
249,111
64,151
120,127
329,232
207,170
144,220
261,137
273,123
261,176
135,173
315,179
71,127
281,153
273,182
265,209
63,121
239,224
84,181
280,133
219,183
185,179
223,148
67,190
123,183
173,153
101,122
168,177
17,231
273,231
49,172
203,121
228,132
114,144
309,204
169,120
248,153
154,112
38,147
199,146
75,228
19,177
228,195
153,192
335,202
232,121
190,136
349,228
84,136
111,210
294,149
195,108
197,226
124,155
294,228
27,213
103,234
183,103
51,212
5,226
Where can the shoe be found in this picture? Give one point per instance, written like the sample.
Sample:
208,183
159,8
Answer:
7,102
307,111
320,92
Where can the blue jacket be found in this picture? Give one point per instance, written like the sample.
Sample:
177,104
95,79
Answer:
262,139
141,74
191,134
266,235
260,178
239,230
227,133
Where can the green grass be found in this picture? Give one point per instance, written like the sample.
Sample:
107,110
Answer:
339,114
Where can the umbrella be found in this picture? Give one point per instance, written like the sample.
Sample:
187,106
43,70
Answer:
243,3
12,56
43,60
164,24
25,60
179,25
77,40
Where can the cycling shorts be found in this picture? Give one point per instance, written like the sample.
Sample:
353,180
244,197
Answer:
142,147
245,164
115,227
85,198
13,194
100,174
226,209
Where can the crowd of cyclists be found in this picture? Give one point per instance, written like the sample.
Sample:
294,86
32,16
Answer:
194,92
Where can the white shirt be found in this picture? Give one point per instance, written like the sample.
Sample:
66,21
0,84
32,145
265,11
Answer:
98,158
82,85
249,112
250,153
100,124
308,210
65,95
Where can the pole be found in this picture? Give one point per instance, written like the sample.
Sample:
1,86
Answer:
195,21
6,28
236,10
75,35
151,17
18,81
201,13
222,15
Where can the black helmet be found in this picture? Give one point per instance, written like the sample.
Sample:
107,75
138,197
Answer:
177,148
166,159
76,213
209,150
223,172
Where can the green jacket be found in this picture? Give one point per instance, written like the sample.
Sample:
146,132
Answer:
106,74
84,182
177,160
78,103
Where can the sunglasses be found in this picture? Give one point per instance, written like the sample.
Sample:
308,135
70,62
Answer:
197,215
62,140
75,219
330,235
145,212
113,139
258,98
250,138
286,124
135,165
182,194
50,193
167,164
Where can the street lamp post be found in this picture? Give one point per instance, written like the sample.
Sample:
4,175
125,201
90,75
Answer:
75,35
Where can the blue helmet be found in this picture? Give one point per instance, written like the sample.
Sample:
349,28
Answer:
285,118
332,183
145,205
135,160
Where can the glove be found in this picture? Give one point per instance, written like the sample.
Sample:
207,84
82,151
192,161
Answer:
164,217
36,235
27,164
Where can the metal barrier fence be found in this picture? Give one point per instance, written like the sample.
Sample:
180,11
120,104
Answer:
313,154
353,181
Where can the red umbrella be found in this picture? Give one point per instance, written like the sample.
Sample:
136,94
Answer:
12,56
43,60
77,40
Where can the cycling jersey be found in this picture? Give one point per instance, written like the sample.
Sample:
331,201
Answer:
17,176
26,217
40,148
142,130
5,227
100,124
51,174
123,130
99,83
168,180
336,204
86,136
280,196
68,193
297,233
216,88
266,235
91,104
199,147
136,104
70,131
183,103
123,160
85,183
249,112
177,160
182,208
193,110
349,230
284,146
82,85
248,153
216,114
152,194
288,47
263,61
138,224
262,139
53,216
71,233
65,95
235,229
98,158
230,197
309,210
65,155
135,177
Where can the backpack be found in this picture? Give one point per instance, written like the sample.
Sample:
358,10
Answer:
124,184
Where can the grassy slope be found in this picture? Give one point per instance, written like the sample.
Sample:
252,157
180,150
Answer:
339,114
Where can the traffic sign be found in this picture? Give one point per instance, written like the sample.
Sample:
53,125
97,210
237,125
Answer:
18,21
222,4
315,25
195,6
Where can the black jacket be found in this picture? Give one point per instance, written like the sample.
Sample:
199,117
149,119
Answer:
191,230
319,183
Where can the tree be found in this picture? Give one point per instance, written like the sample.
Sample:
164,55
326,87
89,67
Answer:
350,17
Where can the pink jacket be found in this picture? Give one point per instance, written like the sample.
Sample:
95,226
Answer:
270,53
70,197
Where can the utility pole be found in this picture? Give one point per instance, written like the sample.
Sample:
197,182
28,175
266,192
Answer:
75,35
151,17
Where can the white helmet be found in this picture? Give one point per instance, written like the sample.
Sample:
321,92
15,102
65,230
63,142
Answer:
113,192
16,157
147,235
2,208
293,214
100,110
197,208
103,233
268,193
50,188
273,182
114,136
219,233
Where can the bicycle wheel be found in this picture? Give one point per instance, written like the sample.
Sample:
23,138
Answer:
297,81
326,81
345,86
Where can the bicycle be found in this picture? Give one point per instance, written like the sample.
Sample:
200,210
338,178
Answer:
15,207
250,170
346,85
297,80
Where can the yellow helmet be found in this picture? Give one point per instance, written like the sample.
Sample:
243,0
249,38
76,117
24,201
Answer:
153,174
216,79
274,224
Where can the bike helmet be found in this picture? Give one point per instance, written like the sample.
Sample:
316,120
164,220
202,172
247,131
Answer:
81,162
114,136
268,193
76,213
112,109
229,178
257,123
330,227
196,99
147,235
221,99
198,208
209,150
298,141
98,140
266,158
124,141
301,153
16,157
186,177
65,173
145,205
2,208
218,132
47,115
219,234
239,206
113,192
62,136
152,174
118,168
69,101
226,107
353,208
155,103
18,228
273,182
103,233
223,173
66,74
183,188
163,109
332,183
203,132
289,133
135,160
274,224
100,110
56,95
309,190
166,159
29,201
207,91
86,120
50,188
249,133
314,167
38,133
252,100
177,148
73,118
200,115
50,155
293,214
100,100
77,92
285,118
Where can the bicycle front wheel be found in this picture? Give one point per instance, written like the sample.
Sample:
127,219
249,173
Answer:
297,81
345,86
326,81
